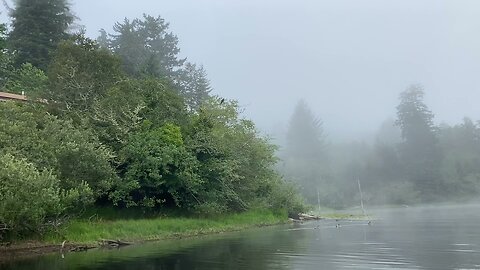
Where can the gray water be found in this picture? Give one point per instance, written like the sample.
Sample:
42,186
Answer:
445,237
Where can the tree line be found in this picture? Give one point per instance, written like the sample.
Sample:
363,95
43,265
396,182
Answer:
410,160
122,121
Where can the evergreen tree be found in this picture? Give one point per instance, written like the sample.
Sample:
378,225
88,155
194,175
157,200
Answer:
305,134
146,47
3,38
388,133
103,40
419,149
305,160
5,59
38,26
461,164
194,85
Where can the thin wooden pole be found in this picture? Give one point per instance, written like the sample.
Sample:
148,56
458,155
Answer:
318,200
361,195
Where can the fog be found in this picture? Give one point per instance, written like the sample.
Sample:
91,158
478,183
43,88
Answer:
324,79
364,115
348,59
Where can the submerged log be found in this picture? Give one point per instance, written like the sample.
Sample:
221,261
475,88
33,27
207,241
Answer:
80,248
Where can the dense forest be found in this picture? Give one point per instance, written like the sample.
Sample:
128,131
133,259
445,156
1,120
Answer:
122,122
410,160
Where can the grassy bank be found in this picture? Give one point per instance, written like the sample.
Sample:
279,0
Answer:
89,232
131,227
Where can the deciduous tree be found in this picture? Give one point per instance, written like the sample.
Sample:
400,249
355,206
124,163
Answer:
80,74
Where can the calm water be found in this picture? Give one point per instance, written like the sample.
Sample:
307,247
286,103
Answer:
407,238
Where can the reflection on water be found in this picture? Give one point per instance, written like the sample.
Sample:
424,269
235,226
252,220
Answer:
407,238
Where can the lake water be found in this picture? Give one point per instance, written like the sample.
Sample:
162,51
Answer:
445,237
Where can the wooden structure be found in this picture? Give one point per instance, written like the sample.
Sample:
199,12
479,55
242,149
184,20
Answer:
4,96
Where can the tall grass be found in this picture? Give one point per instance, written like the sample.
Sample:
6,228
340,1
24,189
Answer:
87,231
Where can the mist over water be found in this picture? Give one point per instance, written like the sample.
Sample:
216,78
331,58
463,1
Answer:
434,237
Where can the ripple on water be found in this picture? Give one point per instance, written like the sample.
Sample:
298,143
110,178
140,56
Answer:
424,238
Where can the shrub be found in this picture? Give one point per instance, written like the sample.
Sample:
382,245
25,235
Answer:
28,197
158,170
74,155
285,196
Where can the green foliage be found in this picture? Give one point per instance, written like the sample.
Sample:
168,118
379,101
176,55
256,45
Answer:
305,156
80,74
414,117
26,195
284,195
145,47
3,37
162,103
410,163
419,152
158,169
75,156
305,138
133,103
5,57
27,78
150,138
461,164
29,198
85,231
38,26
194,85
236,165
119,114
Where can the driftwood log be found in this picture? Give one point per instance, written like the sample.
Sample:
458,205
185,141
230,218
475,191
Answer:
113,243
308,217
300,218
74,248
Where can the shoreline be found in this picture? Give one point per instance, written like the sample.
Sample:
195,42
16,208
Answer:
81,235
34,248
53,244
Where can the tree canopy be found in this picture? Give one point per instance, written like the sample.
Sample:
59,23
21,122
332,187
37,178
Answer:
124,122
305,156
146,47
37,28
419,150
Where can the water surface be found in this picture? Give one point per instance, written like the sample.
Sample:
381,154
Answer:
442,237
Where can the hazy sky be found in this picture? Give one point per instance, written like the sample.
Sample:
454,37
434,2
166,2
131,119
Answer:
348,59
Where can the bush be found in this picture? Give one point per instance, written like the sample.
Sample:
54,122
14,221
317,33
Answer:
284,196
158,170
74,155
28,197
